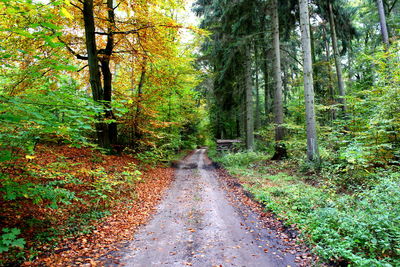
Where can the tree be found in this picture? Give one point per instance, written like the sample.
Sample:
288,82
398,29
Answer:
341,86
257,122
312,144
280,149
249,102
106,134
382,22
136,31
228,54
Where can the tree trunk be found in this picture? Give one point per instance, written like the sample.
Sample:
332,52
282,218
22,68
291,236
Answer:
94,71
330,77
257,85
107,75
267,91
109,115
280,149
382,22
237,118
140,87
317,85
312,144
342,90
137,133
242,116
249,101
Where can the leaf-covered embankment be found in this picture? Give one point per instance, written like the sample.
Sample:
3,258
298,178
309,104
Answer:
73,205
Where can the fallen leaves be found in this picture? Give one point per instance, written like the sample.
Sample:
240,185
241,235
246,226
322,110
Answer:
121,225
86,249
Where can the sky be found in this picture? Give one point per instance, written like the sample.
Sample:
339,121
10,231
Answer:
188,18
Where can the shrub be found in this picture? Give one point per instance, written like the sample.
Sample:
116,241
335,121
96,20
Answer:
361,227
9,239
63,115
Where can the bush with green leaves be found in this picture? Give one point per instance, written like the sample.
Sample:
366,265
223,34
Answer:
360,227
37,193
9,239
63,115
363,229
368,137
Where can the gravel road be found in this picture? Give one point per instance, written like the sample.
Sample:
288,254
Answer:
197,225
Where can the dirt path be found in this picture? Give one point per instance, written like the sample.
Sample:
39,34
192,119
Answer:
196,225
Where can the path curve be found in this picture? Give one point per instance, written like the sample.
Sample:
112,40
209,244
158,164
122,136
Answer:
196,225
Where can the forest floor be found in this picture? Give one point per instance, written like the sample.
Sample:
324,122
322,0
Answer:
206,219
195,215
106,211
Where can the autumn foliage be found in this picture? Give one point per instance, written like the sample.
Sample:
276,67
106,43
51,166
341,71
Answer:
58,181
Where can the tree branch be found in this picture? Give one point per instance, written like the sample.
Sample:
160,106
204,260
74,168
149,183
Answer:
130,31
82,68
78,7
117,6
390,9
71,50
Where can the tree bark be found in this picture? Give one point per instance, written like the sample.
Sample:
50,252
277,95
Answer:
382,22
280,149
330,76
249,101
107,75
312,144
257,85
342,90
267,91
94,70
317,85
140,87
137,132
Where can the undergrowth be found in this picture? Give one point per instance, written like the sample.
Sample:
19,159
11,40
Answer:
351,220
60,192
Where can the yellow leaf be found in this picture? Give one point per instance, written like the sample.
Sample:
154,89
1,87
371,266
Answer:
29,157
66,13
67,2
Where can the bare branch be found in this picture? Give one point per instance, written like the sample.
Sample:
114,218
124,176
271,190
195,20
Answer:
78,7
124,51
390,9
117,6
71,50
82,68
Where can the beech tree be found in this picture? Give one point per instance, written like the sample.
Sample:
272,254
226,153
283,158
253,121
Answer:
106,132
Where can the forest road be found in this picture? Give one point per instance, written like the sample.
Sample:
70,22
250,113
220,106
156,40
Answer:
197,225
